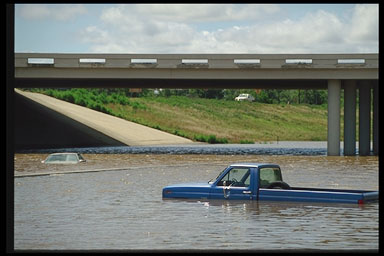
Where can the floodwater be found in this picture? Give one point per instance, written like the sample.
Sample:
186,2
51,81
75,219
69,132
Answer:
122,207
267,148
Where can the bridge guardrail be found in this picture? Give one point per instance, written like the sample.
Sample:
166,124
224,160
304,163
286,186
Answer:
210,61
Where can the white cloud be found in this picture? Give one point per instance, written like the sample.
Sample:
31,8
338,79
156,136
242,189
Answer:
68,12
95,35
195,13
365,23
34,11
320,31
61,12
246,29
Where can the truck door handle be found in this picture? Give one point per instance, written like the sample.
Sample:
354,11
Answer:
247,192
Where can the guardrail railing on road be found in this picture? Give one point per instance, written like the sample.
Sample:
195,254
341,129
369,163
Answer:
210,61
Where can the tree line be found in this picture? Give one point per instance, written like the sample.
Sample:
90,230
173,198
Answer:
272,96
97,97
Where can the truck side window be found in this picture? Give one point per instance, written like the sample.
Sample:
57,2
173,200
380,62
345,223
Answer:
236,177
269,175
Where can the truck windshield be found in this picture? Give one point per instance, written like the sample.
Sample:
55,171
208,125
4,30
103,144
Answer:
214,179
269,175
236,177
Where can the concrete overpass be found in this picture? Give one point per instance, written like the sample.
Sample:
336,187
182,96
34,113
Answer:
69,125
351,72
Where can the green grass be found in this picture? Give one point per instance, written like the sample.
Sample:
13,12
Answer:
220,121
210,120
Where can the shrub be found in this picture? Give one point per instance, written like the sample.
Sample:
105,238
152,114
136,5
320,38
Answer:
69,97
200,138
81,102
246,142
179,133
211,139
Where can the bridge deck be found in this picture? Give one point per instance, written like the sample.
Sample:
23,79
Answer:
191,70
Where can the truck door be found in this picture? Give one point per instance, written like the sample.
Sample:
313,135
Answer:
235,184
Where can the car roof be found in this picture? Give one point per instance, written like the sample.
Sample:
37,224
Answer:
64,153
254,165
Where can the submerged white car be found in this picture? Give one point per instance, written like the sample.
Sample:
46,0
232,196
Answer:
245,96
64,158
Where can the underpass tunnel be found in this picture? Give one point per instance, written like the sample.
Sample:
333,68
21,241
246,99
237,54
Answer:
38,127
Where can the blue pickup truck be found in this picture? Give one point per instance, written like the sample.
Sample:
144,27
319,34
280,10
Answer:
256,181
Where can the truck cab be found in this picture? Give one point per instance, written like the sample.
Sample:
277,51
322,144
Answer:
237,181
241,181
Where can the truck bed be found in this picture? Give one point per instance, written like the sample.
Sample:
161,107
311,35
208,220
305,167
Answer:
301,194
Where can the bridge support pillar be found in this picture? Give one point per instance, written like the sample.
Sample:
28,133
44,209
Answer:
364,118
333,147
350,118
376,119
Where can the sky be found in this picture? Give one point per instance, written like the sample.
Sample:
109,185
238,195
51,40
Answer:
197,28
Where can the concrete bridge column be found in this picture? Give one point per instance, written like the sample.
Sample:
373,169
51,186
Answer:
334,87
364,118
350,118
376,119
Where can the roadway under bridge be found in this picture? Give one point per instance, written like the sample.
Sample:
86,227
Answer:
39,127
353,73
45,122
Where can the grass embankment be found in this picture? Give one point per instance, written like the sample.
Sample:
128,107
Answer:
210,120
218,121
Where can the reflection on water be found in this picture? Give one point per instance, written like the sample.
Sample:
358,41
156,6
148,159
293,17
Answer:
124,209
